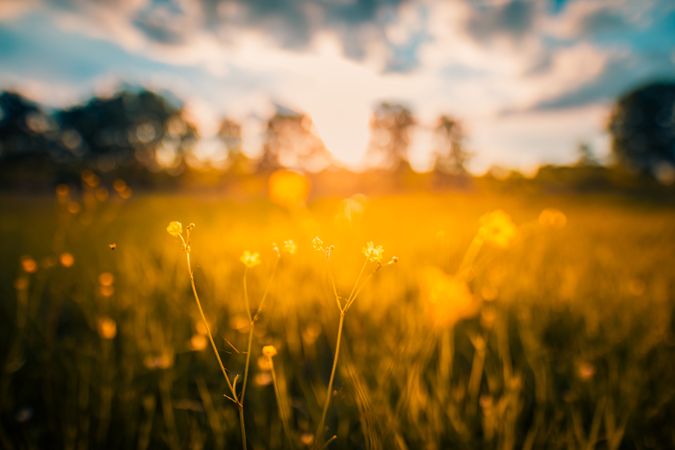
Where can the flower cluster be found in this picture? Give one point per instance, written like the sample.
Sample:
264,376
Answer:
269,350
552,218
497,228
250,259
319,246
175,229
373,253
290,247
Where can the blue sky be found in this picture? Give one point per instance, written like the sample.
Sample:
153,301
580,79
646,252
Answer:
530,80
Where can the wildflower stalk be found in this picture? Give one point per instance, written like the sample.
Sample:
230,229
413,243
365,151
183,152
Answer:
249,341
372,254
358,278
176,229
282,411
242,425
355,295
206,325
233,398
329,393
252,319
470,256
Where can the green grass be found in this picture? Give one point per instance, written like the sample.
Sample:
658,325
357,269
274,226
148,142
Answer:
572,345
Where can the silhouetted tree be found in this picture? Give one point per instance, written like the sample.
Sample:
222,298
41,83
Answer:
390,129
230,134
30,154
642,125
586,156
25,129
291,141
450,155
131,128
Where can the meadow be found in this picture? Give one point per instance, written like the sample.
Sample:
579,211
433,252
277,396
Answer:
548,325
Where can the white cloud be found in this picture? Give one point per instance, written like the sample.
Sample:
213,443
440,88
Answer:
11,9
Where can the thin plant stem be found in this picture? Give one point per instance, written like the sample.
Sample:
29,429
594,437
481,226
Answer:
242,425
477,367
267,290
358,291
356,283
234,397
248,306
329,393
470,256
208,328
446,359
332,283
247,365
282,412
253,318
249,344
329,441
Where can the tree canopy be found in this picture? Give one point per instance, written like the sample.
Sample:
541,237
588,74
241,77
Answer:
131,127
25,129
642,127
390,130
291,141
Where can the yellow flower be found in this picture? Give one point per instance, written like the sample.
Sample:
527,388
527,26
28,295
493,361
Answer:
585,370
107,328
21,284
262,379
552,218
317,244
106,279
106,291
264,363
28,264
198,342
497,228
447,299
307,439
159,361
66,259
290,247
62,192
250,259
269,351
372,252
174,228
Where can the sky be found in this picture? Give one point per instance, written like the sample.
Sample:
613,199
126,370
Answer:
530,80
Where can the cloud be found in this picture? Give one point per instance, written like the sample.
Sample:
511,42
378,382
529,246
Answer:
11,9
620,74
361,26
513,19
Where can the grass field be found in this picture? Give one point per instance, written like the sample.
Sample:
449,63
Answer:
560,335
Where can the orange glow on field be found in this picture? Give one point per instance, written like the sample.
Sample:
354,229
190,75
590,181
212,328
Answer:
288,188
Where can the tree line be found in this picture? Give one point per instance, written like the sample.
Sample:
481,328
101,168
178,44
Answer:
137,129
140,133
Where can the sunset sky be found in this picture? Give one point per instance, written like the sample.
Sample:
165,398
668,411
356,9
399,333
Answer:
529,79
